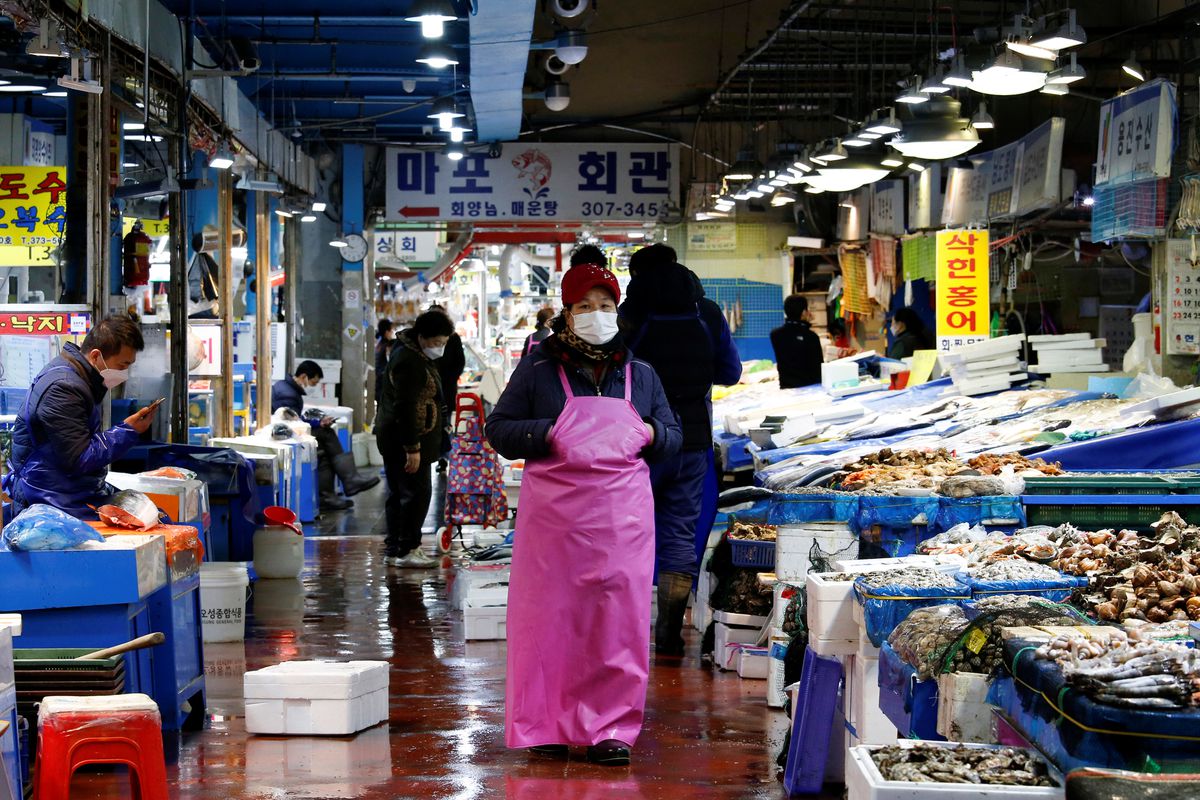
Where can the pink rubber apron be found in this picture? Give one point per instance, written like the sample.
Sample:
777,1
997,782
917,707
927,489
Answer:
579,593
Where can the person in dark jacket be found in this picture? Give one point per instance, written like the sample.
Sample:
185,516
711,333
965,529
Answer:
541,330
385,338
331,458
586,417
671,325
60,456
909,334
410,430
798,351
450,366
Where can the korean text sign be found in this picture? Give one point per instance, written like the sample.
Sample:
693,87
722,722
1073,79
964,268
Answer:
963,301
33,214
44,323
1137,134
535,182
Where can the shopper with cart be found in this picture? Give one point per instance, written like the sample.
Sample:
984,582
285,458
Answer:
586,417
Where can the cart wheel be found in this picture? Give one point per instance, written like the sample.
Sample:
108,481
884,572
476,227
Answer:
445,539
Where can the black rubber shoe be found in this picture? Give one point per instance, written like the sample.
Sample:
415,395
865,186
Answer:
360,485
335,504
609,753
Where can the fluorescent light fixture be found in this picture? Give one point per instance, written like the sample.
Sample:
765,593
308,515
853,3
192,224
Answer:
811,189
266,184
935,84
857,140
802,165
1006,76
457,135
22,87
636,234
137,137
79,81
445,110
765,187
782,199
1066,35
892,161
835,153
912,93
557,95
455,151
869,136
848,175
982,119
744,168
753,194
41,45
958,75
133,126
1023,47
741,194
571,47
339,243
1131,67
1056,89
139,189
779,181
318,207
437,56
130,165
433,16
916,166
222,159
58,93
309,218
1069,74
884,125
283,212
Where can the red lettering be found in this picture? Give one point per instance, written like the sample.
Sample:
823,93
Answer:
52,185
11,186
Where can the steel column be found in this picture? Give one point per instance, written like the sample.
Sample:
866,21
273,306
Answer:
225,229
262,305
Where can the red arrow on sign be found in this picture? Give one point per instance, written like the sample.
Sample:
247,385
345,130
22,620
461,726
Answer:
420,211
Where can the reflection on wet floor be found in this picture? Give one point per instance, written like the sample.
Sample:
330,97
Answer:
706,735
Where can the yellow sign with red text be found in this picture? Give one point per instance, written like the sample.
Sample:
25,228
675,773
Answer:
963,300
33,215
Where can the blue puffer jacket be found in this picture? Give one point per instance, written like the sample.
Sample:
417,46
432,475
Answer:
534,398
59,455
289,394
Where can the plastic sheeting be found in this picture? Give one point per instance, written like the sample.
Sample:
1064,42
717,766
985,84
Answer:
1166,446
885,607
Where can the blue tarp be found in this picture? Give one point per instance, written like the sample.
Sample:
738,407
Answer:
1166,446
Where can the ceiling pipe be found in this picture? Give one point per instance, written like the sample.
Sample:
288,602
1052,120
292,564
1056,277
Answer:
313,20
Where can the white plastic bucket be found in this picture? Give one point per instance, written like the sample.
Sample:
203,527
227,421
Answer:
223,602
278,552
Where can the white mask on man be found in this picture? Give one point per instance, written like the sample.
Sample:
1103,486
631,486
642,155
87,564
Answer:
113,377
596,327
434,353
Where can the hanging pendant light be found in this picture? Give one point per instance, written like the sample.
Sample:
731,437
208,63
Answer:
936,84
445,110
1133,68
982,119
1066,35
848,174
835,153
884,125
744,168
1068,74
437,55
959,75
912,93
1056,89
433,16
1008,75
936,132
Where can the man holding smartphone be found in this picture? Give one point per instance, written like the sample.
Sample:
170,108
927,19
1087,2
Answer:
60,455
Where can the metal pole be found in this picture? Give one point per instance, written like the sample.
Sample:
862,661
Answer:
177,300
225,226
262,307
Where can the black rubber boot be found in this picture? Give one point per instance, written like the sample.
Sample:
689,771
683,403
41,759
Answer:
674,589
352,482
330,501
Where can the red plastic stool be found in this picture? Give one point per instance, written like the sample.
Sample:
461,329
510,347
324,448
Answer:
75,732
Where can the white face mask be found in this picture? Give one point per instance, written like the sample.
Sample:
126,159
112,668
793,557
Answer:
113,377
596,327
434,353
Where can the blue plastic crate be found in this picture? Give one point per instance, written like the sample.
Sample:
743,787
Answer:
179,661
753,554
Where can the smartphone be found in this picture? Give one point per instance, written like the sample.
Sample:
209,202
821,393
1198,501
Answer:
150,408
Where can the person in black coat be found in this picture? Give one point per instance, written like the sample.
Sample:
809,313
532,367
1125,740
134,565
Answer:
671,325
910,334
450,366
798,351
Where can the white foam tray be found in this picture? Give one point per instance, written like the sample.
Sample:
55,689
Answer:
724,636
486,623
864,782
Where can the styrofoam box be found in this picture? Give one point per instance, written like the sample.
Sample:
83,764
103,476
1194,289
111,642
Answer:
467,577
12,621
864,782
963,711
7,678
485,623
793,546
325,767
316,697
862,689
752,662
740,620
483,594
725,635
830,608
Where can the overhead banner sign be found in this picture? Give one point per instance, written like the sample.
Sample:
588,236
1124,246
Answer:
963,300
536,183
1009,181
33,214
1137,134
44,323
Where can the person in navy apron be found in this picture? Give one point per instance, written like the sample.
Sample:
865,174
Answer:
60,455
586,418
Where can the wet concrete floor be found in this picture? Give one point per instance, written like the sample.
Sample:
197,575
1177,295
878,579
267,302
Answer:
707,734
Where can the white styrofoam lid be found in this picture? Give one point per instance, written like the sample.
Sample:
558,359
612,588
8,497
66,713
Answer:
317,680
11,621
96,705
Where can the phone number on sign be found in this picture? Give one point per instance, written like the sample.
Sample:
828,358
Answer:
641,210
30,241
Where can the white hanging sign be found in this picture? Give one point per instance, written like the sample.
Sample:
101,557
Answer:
1137,134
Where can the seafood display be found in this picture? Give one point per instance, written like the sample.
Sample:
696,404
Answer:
175,473
129,509
989,464
1125,669
1009,766
748,532
910,468
1014,570
912,577
925,636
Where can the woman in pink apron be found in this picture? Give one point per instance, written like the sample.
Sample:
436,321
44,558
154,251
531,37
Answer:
585,416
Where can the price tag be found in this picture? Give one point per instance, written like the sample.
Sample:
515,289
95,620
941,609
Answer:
976,639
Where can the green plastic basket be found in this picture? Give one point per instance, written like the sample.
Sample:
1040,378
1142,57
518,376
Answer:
1097,512
1187,483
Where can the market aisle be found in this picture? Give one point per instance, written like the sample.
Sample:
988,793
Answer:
445,738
